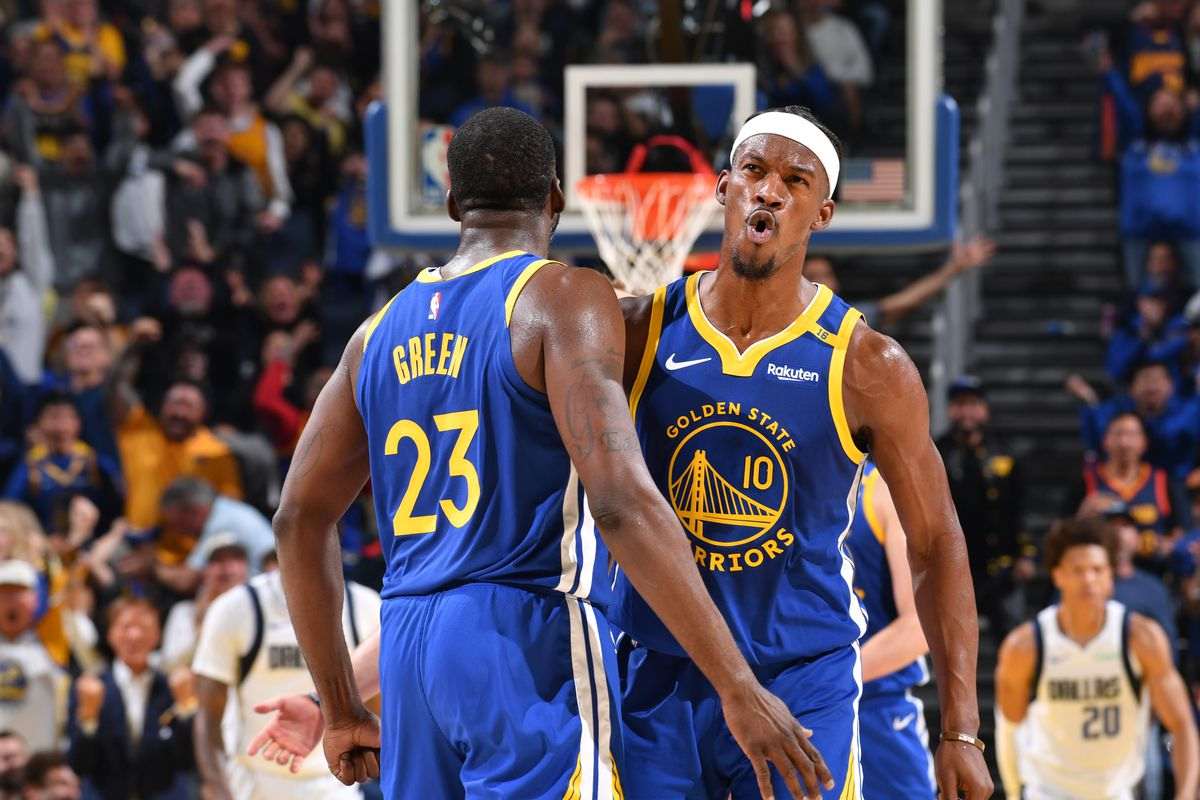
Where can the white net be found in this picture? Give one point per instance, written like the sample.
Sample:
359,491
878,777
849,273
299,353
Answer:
646,223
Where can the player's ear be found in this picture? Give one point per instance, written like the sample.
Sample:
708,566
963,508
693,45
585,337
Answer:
824,216
452,207
558,200
722,186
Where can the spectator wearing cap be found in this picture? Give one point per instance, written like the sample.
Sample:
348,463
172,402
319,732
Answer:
194,515
156,449
1125,475
226,565
48,776
1173,422
30,681
61,465
1152,333
131,727
988,491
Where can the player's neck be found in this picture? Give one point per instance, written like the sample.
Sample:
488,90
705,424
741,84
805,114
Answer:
484,235
1082,621
748,310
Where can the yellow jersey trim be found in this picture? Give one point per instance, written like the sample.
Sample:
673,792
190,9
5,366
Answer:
573,791
433,275
735,362
870,486
837,365
850,790
657,305
511,301
375,320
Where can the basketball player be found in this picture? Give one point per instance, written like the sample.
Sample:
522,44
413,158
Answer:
756,395
896,760
246,653
1080,680
479,401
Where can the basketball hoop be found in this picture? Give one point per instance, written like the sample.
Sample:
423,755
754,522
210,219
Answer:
645,223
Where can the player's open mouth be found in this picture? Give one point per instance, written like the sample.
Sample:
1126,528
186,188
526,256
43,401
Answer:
760,226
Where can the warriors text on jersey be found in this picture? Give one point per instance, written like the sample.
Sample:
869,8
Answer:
1085,733
755,455
467,468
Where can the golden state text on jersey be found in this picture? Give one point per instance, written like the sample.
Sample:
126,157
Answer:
753,451
470,478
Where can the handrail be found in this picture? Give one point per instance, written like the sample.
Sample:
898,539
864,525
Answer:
960,308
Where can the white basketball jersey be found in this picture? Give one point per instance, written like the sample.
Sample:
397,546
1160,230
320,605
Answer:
1084,737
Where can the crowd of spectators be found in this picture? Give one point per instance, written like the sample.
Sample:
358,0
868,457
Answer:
183,255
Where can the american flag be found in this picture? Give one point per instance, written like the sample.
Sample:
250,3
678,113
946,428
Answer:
873,180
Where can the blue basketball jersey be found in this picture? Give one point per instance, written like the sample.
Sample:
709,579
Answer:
873,584
755,455
471,481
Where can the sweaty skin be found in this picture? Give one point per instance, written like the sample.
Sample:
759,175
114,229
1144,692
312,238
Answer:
567,341
758,291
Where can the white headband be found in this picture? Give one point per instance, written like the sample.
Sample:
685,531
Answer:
799,130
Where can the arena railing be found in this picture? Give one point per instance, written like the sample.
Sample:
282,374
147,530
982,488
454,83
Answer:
979,205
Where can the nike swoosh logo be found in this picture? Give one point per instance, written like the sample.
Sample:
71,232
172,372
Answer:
673,365
900,723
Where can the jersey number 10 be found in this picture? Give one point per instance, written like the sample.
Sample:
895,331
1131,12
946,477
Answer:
466,423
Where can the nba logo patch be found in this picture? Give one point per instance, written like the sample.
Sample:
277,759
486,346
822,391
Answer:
435,305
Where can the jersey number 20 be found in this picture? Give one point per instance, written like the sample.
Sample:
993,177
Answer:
466,423
1101,722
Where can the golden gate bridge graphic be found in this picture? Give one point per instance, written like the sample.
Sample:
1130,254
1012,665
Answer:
702,495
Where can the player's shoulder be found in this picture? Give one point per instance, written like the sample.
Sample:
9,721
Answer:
557,291
1145,633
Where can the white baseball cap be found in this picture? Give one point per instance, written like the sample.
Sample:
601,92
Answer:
18,573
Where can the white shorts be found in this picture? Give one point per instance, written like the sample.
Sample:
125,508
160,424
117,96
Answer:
252,784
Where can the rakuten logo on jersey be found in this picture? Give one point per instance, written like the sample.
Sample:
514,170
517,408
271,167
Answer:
786,373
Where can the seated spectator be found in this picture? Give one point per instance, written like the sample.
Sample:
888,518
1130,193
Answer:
284,306
1172,422
1160,165
252,140
48,776
839,48
277,413
1152,333
1162,268
14,754
447,68
60,465
889,310
212,198
620,38
225,566
194,514
30,681
788,74
1126,476
45,107
26,274
1138,590
156,449
493,77
88,359
131,729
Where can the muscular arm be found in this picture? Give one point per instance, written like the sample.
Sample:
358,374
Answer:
1169,698
1014,679
888,413
902,641
206,735
329,470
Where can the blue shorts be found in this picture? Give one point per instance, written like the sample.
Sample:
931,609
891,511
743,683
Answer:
895,748
677,746
492,691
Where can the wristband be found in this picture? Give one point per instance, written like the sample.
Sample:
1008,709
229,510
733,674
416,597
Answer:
315,698
965,738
